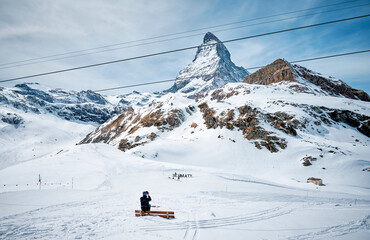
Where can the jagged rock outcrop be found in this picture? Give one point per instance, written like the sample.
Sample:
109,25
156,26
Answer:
278,71
211,68
281,70
249,123
12,118
121,130
307,161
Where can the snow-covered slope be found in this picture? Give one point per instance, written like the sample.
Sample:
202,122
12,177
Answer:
136,98
36,120
26,136
211,68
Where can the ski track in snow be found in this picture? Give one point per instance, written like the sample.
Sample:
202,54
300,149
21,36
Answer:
337,230
91,219
106,215
81,220
55,221
221,222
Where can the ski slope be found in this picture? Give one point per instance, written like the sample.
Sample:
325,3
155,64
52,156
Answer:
213,204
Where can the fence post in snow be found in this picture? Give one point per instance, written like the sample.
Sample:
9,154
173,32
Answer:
72,182
40,181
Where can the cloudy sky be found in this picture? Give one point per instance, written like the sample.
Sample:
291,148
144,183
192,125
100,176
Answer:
34,29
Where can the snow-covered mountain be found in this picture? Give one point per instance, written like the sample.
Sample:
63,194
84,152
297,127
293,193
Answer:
273,108
270,117
41,120
211,68
84,106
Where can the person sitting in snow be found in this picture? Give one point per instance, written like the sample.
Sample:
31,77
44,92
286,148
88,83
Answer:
144,200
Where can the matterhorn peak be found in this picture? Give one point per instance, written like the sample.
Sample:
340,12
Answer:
210,37
211,68
212,45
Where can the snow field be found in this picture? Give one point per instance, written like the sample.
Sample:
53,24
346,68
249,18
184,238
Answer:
214,203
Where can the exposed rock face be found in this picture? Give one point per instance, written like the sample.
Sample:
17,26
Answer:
211,68
249,123
122,128
12,118
330,85
330,117
359,121
281,70
278,71
307,161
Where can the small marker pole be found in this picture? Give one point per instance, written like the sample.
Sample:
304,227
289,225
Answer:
72,182
40,181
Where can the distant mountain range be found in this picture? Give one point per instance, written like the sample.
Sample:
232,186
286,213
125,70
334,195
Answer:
280,106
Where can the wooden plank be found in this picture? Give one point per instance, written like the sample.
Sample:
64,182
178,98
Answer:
153,214
158,212
164,214
159,215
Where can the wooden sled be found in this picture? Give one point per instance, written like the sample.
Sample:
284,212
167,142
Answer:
164,214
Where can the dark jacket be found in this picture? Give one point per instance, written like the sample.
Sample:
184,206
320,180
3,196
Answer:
144,200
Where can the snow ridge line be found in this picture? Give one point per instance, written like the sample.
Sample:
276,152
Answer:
255,182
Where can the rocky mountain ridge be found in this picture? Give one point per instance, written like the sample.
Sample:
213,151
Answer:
281,70
230,108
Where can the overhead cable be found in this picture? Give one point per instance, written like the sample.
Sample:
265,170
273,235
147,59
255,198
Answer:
184,49
250,68
176,38
178,33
